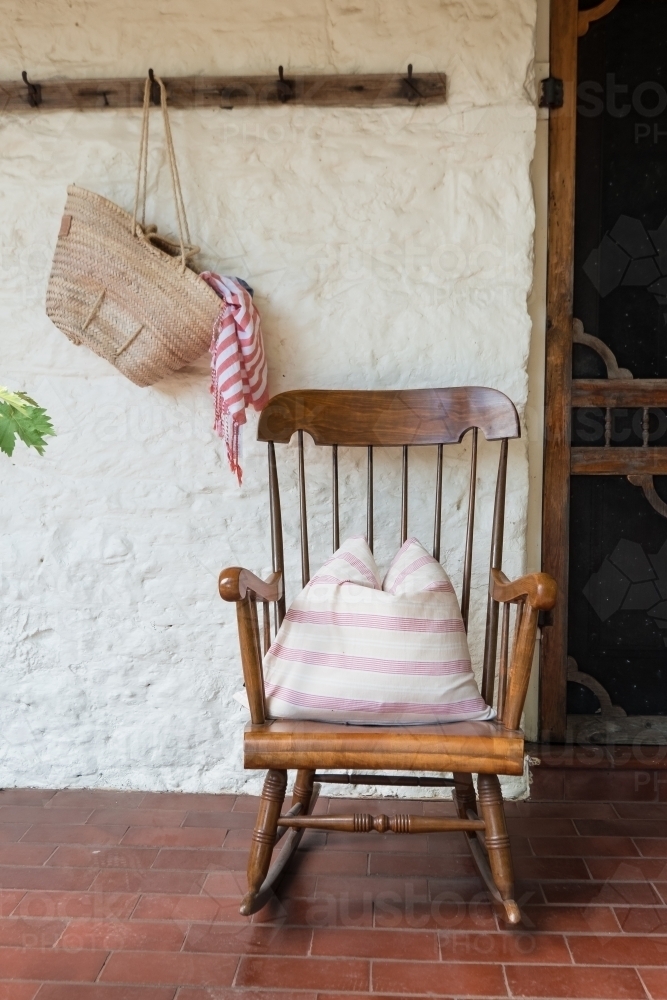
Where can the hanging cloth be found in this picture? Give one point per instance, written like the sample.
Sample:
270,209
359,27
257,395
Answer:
238,362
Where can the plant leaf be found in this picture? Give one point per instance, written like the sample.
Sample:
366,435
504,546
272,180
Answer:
20,416
17,400
7,430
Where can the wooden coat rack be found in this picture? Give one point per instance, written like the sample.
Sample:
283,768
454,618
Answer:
351,90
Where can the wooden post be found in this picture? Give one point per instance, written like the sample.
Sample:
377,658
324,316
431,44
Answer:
556,503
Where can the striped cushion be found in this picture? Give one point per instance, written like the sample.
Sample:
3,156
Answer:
349,651
353,562
414,571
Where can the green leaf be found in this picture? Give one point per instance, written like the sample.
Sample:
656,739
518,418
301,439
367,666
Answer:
7,430
20,416
17,400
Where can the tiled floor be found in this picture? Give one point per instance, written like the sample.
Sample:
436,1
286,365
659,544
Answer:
133,896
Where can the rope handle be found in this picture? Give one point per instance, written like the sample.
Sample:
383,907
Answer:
152,236
186,247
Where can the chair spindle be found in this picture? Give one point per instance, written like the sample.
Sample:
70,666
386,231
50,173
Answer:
518,618
404,496
276,530
254,682
517,622
369,499
470,532
504,656
491,638
334,497
303,522
438,506
266,630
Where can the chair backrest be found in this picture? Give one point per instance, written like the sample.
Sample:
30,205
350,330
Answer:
401,419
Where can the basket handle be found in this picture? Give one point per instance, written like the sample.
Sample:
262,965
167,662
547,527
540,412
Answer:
142,174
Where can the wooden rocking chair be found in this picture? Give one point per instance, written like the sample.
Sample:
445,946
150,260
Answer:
371,419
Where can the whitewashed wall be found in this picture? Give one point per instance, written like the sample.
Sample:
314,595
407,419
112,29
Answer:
387,248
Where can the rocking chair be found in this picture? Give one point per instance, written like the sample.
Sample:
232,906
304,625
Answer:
372,419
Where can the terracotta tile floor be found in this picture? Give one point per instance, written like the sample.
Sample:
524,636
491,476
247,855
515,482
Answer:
133,896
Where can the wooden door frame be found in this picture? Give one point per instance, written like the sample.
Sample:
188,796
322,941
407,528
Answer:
558,379
561,460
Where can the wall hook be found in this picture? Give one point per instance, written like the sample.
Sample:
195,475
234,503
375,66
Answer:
412,91
34,91
155,89
283,87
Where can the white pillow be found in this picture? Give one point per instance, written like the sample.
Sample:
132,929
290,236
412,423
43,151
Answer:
353,562
413,571
350,652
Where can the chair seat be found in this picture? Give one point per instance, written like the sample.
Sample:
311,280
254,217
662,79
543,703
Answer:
477,747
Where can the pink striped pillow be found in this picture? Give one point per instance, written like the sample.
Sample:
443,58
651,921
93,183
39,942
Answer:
414,570
348,651
353,562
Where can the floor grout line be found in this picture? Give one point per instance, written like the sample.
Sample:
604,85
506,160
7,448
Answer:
641,980
236,971
506,981
104,964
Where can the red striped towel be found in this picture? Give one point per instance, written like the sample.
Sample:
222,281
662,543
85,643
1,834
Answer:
238,363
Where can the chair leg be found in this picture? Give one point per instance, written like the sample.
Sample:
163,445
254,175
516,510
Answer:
303,790
464,795
264,836
497,841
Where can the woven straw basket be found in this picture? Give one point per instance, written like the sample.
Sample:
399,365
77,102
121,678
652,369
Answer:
125,292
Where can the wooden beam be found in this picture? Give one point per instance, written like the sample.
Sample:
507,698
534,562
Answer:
558,383
619,392
618,461
351,90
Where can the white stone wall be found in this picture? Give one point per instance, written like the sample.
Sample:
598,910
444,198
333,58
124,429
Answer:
387,248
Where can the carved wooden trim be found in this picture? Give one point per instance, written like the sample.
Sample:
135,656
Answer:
579,336
645,483
651,392
585,17
587,461
607,709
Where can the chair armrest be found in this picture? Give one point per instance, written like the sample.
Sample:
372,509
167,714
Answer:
533,593
539,589
235,582
241,587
